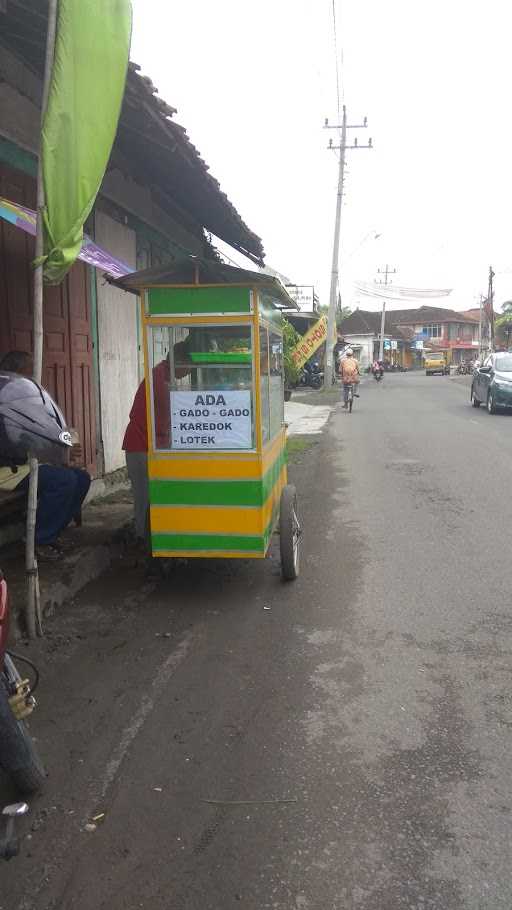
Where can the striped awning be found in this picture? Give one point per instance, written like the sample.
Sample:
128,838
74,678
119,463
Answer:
91,252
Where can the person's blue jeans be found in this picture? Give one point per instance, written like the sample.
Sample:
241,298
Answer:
61,492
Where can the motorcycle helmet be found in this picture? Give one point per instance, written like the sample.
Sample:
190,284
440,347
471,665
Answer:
30,423
349,351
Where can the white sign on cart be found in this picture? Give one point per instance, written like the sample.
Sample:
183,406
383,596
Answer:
211,420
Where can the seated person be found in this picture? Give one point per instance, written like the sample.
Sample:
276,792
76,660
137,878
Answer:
61,490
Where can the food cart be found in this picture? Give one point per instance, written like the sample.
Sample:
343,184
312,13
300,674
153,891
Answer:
213,361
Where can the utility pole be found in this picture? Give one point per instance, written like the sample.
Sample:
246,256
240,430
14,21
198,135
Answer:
342,148
386,272
480,326
490,304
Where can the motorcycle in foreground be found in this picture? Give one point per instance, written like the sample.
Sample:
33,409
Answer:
30,424
18,756
9,842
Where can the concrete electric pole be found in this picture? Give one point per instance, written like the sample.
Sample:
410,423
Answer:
490,305
386,272
331,319
480,328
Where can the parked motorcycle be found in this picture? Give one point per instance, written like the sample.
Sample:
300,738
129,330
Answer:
312,375
18,755
30,424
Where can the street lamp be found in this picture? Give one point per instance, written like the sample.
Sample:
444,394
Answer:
376,236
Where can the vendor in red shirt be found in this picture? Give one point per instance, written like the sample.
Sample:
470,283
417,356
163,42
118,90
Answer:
135,442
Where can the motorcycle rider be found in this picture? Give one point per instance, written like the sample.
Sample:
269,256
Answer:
350,376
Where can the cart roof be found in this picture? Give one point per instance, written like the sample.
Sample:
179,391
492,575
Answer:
194,270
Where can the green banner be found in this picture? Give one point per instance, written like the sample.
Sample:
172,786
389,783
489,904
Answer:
86,91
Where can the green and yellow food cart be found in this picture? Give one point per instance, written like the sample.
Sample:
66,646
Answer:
213,361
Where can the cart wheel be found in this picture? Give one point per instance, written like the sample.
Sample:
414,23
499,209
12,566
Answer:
290,532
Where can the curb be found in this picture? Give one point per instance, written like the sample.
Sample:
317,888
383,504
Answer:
86,566
76,572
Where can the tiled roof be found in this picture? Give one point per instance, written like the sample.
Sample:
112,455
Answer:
400,322
429,314
166,157
361,322
156,148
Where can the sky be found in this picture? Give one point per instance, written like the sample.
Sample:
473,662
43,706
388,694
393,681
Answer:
253,84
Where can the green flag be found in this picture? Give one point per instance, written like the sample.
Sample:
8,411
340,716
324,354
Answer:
86,91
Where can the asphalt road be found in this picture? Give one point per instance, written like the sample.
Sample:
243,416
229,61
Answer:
338,743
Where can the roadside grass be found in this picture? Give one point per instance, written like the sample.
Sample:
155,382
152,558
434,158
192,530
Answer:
296,446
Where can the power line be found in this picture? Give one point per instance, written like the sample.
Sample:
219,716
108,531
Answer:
371,290
340,96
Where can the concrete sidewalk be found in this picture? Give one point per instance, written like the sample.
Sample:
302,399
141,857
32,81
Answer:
101,539
309,411
305,419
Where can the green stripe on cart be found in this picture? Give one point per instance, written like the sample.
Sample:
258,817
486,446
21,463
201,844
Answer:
220,542
205,493
216,492
173,301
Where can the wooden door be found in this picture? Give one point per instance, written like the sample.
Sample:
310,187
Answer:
81,361
68,348
16,252
56,354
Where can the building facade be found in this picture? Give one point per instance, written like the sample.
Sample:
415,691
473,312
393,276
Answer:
157,202
408,333
444,330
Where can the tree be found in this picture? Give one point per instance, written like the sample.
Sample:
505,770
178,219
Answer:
291,339
341,313
503,324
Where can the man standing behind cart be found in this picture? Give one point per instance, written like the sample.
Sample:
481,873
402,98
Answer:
135,442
